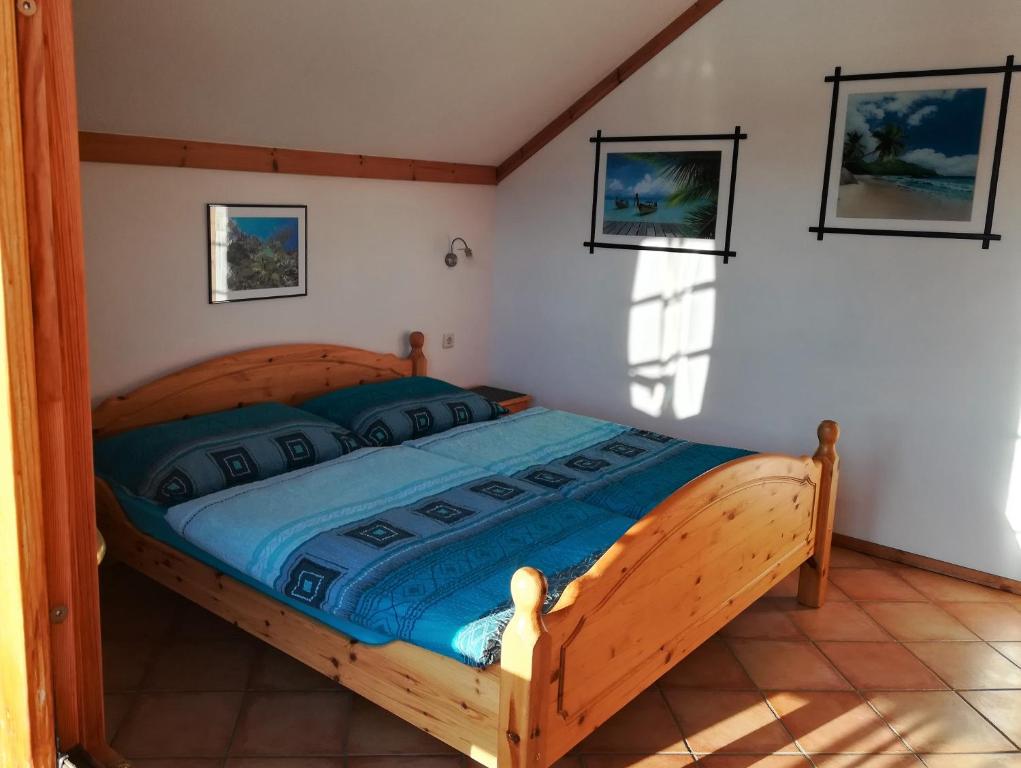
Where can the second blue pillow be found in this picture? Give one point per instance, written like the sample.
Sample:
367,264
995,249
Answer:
390,412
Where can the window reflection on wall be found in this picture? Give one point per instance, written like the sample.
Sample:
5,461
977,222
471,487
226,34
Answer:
670,334
1014,490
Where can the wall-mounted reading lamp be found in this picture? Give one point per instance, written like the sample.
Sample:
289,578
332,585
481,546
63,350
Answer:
451,258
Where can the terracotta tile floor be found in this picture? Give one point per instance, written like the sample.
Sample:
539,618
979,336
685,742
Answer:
901,669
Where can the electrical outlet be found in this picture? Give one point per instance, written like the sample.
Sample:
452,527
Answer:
448,340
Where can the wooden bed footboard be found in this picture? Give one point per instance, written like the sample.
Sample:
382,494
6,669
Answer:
676,577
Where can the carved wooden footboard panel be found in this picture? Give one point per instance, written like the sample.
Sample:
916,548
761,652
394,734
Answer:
675,578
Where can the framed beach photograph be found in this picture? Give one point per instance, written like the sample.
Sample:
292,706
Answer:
914,154
256,251
668,193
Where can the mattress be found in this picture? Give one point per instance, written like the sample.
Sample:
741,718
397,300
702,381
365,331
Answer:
418,542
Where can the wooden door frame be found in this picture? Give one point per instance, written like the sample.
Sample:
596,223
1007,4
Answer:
48,398
26,715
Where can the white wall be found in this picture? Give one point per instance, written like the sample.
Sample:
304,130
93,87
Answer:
912,345
375,270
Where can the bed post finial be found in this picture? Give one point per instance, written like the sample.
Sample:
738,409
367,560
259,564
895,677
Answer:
829,434
524,675
814,577
417,356
528,590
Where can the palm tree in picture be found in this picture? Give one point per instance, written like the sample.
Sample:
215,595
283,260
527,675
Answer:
696,180
854,146
890,141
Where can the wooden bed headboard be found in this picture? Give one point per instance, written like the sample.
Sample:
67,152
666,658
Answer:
287,373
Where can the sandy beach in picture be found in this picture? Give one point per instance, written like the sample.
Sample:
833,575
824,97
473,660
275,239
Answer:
872,198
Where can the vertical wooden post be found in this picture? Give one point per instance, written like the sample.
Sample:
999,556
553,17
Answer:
69,251
524,672
814,578
417,356
49,362
26,714
56,256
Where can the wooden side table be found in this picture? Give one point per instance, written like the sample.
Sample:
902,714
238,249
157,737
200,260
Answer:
512,401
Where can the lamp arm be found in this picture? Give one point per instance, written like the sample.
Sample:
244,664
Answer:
451,258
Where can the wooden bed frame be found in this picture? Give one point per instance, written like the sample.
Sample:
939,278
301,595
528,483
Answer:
675,578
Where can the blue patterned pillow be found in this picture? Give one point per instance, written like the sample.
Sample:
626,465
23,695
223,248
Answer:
390,412
180,460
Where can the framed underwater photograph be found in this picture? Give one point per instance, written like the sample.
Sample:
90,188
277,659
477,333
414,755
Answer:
256,251
915,154
666,193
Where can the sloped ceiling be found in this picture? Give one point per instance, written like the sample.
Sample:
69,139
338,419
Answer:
458,80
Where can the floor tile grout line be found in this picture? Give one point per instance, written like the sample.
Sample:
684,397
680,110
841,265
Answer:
155,648
1017,745
788,731
234,727
957,692
861,695
131,705
789,753
765,698
869,703
990,644
864,698
969,642
942,680
150,663
257,659
887,723
859,642
674,717
938,677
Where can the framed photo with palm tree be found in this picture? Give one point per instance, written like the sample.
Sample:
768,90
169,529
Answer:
665,193
915,154
256,251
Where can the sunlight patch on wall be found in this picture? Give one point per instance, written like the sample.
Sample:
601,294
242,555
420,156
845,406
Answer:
670,332
1013,510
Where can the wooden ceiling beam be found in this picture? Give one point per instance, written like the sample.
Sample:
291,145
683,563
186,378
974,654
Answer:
183,153
600,90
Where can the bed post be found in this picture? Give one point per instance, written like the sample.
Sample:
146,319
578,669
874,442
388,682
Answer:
814,578
524,668
417,356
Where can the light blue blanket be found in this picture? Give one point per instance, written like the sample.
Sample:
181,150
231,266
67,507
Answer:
418,542
625,470
407,544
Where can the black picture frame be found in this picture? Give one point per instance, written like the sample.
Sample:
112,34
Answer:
986,236
303,255
727,252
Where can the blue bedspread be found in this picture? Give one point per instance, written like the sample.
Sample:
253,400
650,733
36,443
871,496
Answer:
625,470
418,542
404,543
